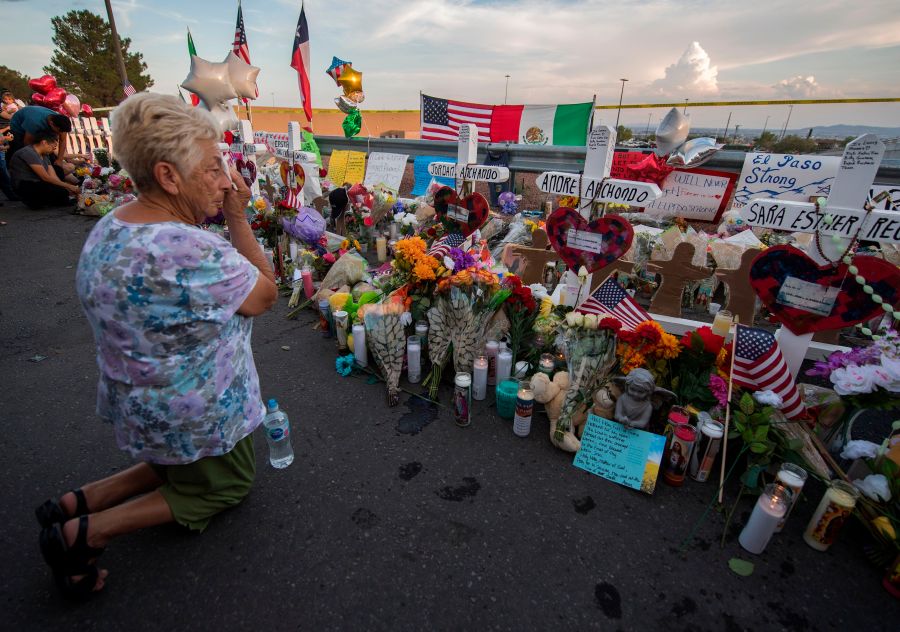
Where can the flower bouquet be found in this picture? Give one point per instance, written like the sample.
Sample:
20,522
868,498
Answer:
386,338
865,377
590,348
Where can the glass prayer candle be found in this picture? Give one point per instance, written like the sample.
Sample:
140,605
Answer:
524,409
360,354
462,399
837,503
547,364
793,477
491,349
504,364
341,319
479,377
413,359
395,231
722,323
381,249
325,309
771,507
306,275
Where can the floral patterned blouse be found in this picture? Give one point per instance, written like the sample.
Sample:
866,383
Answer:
177,378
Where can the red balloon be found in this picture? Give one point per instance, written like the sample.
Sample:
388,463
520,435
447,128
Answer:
54,98
37,99
42,84
87,110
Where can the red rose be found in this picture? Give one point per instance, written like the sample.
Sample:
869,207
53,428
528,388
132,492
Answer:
704,336
95,172
323,172
610,323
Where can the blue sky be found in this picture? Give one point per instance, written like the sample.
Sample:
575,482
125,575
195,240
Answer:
553,50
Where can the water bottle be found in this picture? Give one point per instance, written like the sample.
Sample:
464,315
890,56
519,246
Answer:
278,435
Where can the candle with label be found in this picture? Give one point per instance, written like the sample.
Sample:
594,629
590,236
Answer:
769,510
491,349
462,399
413,359
524,409
836,505
793,477
479,377
341,318
360,353
547,364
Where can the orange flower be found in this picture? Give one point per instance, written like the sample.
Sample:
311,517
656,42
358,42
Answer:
423,271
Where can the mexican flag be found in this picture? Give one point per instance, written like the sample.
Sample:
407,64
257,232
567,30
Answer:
195,100
541,124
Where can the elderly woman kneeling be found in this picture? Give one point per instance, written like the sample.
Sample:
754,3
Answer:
170,306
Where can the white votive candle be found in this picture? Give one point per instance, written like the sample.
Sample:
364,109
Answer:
413,359
360,353
381,249
504,364
479,377
833,510
768,512
793,477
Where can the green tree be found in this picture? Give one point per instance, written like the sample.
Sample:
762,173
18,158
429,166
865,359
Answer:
766,140
84,62
623,133
15,82
795,145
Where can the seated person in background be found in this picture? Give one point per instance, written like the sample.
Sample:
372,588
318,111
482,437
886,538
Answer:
34,179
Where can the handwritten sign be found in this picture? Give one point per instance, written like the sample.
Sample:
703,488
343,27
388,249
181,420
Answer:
810,297
622,159
598,190
347,166
585,240
622,455
785,177
422,177
474,173
882,226
385,171
699,194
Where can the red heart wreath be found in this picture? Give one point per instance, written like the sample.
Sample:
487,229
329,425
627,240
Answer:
601,242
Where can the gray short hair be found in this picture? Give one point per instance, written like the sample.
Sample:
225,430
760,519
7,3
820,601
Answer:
149,128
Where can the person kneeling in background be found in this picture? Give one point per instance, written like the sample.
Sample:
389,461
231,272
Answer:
34,179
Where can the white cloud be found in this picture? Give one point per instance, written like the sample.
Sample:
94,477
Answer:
692,74
798,87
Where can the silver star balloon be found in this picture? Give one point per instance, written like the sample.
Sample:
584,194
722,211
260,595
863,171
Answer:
243,76
672,132
210,81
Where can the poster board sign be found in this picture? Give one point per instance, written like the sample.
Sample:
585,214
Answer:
785,177
346,166
626,456
622,159
889,203
385,171
423,178
699,194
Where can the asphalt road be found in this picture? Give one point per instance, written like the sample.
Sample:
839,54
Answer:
373,526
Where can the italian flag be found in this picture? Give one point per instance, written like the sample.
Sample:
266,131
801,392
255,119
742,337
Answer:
541,124
195,100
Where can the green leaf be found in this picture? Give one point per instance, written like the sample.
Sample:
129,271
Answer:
741,567
741,417
761,432
746,404
758,448
795,444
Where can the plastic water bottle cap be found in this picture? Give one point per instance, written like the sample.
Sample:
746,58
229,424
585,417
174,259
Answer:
273,405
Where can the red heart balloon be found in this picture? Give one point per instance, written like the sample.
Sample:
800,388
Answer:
596,244
42,84
470,213
87,110
37,99
772,267
54,98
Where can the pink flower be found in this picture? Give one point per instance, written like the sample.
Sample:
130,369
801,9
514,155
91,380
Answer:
719,389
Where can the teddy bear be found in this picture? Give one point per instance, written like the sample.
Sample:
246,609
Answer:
552,393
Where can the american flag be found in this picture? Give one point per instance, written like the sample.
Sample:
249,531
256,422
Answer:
240,47
610,299
758,364
441,118
441,247
128,89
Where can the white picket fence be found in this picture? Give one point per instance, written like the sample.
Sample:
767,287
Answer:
89,134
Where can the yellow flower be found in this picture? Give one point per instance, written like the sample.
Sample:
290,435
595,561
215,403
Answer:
546,307
884,526
423,271
260,204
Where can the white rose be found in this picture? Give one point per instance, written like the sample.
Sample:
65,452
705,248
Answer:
410,220
448,263
591,321
853,380
768,398
875,486
574,319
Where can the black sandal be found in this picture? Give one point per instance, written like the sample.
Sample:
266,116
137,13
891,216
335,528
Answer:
51,512
68,561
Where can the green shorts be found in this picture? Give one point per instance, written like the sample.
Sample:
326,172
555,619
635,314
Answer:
198,491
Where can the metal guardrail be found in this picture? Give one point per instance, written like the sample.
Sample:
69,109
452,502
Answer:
531,158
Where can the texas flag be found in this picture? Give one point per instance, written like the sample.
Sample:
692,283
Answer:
541,124
300,63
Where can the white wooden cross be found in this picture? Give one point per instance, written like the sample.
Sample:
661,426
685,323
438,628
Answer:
595,185
466,169
857,171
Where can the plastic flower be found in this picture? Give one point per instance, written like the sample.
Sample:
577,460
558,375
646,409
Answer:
344,364
424,272
853,380
859,449
719,389
768,398
875,487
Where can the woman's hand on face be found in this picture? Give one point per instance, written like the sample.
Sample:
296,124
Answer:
236,201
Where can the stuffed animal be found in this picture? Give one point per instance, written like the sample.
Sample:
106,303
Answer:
552,394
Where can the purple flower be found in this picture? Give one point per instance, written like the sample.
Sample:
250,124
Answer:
188,405
308,225
462,260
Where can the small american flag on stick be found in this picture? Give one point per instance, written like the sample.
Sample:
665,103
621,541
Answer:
759,365
611,299
128,89
441,247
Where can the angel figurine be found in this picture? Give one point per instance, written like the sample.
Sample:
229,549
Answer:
640,397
